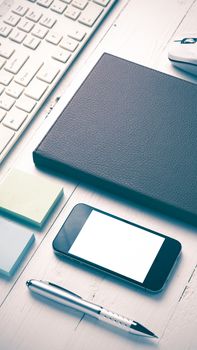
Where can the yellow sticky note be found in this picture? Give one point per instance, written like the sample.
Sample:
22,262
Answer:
29,197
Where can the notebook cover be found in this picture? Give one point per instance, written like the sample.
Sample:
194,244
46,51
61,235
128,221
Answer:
131,130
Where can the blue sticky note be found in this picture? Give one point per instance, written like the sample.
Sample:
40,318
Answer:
15,242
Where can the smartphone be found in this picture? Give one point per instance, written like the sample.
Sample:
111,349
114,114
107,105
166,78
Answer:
116,246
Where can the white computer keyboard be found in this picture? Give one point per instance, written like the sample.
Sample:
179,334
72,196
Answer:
39,39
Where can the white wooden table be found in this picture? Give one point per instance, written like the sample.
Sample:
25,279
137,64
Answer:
138,30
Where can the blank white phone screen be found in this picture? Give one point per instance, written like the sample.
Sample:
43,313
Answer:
117,246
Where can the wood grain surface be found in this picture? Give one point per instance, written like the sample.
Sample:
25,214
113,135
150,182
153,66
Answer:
138,30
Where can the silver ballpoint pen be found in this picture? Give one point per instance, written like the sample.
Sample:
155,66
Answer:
65,297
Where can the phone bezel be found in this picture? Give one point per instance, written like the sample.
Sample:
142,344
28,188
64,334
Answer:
160,268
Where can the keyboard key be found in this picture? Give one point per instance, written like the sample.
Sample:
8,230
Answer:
58,6
61,55
15,63
39,31
20,10
15,119
17,36
77,33
36,89
6,51
31,42
12,20
28,72
69,44
5,30
44,3
2,114
5,136
48,72
6,102
2,88
54,38
80,4
25,25
14,90
34,31
25,103
90,14
34,16
2,62
5,78
72,13
102,2
47,21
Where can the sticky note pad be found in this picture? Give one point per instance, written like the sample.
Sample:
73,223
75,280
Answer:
29,197
15,242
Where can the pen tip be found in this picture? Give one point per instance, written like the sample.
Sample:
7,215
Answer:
154,336
28,283
143,330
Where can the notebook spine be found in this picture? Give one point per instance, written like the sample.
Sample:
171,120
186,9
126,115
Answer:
42,161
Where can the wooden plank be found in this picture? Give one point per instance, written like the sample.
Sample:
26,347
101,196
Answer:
33,315
145,28
29,322
181,329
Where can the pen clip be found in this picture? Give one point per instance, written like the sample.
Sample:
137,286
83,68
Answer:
63,289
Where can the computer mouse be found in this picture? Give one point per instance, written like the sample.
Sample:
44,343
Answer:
182,53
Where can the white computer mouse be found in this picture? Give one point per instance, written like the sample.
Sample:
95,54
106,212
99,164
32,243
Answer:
182,53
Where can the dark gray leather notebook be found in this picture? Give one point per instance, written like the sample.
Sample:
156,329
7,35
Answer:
131,130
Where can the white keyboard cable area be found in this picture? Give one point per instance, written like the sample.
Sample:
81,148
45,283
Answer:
39,40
